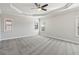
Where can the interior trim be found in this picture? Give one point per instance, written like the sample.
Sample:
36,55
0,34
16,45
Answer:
60,38
62,8
15,37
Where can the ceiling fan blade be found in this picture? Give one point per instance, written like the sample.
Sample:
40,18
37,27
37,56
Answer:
44,5
44,9
37,5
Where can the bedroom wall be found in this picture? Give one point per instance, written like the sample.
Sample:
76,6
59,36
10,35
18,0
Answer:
62,26
22,26
0,29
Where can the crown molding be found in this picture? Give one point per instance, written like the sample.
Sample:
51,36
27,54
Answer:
43,14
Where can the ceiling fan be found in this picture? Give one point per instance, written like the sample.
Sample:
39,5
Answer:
40,7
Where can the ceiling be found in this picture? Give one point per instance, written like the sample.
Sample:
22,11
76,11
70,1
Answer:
27,8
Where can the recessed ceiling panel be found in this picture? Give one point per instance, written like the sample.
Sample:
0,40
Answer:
30,8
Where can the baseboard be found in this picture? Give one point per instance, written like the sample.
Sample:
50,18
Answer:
60,38
16,37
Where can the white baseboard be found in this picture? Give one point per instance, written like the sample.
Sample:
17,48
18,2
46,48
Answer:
15,37
60,38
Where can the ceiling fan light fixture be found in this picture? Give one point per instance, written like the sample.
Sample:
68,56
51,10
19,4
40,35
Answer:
39,9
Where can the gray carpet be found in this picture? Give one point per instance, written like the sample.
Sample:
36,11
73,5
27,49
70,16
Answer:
37,45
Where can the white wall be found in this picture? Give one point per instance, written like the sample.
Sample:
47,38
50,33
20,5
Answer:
61,26
23,26
0,29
